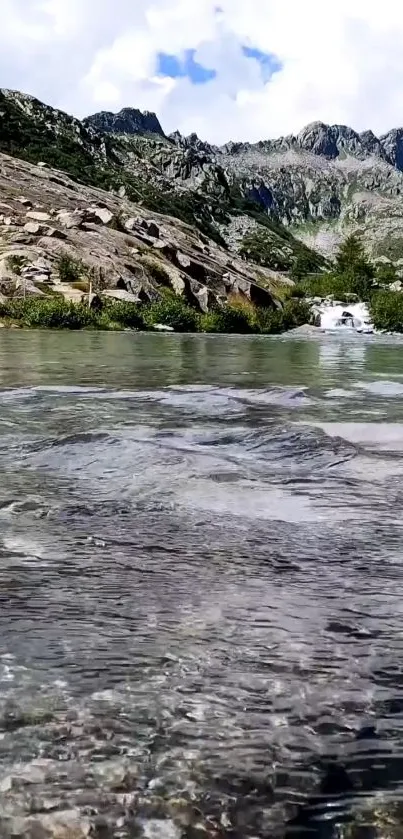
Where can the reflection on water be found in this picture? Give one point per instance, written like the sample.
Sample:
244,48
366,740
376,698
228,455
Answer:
337,353
200,586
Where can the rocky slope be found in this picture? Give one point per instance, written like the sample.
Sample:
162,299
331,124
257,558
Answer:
121,248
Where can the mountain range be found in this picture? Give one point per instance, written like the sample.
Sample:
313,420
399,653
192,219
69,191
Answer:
273,205
322,183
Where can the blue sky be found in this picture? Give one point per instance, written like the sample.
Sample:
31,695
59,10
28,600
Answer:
269,63
181,67
187,66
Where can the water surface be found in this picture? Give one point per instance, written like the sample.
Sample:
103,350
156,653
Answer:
201,591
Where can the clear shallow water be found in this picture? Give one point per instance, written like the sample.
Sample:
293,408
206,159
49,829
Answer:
201,611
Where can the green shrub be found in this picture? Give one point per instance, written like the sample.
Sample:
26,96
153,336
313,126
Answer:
70,269
49,313
271,321
210,322
386,274
353,275
386,310
57,313
103,319
351,259
126,314
294,313
266,321
306,263
297,293
227,319
339,286
172,311
277,249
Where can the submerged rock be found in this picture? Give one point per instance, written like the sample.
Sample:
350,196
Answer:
375,820
305,329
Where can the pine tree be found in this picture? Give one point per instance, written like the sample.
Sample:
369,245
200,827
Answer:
354,268
351,259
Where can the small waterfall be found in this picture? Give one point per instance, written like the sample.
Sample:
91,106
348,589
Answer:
334,316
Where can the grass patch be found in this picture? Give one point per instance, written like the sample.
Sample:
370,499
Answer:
47,289
81,285
157,270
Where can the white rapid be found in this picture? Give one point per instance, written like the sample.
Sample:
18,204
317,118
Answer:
345,316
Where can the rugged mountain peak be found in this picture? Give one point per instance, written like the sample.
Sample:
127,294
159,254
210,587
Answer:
192,141
392,144
38,111
176,137
371,143
18,96
127,121
236,147
329,140
37,130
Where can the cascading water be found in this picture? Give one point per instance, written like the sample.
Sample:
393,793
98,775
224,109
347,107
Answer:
334,316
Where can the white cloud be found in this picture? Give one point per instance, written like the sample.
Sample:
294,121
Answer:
340,64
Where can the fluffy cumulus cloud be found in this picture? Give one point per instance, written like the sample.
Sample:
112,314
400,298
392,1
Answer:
227,69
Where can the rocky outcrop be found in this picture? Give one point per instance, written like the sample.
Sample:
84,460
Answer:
127,121
193,142
325,182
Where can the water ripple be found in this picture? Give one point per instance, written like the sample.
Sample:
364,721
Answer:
201,596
